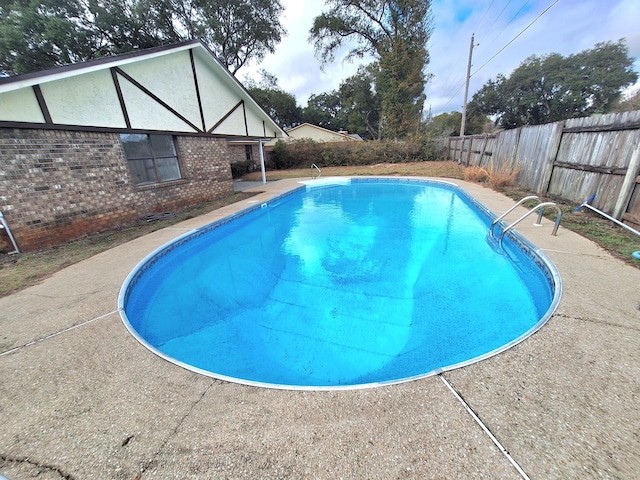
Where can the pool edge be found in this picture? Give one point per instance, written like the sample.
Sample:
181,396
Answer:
535,253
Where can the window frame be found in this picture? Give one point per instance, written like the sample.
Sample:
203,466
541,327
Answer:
154,157
248,153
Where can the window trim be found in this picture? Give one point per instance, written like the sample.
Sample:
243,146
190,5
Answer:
154,158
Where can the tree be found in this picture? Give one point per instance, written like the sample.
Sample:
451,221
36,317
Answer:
280,105
35,35
552,87
361,103
448,125
628,104
325,110
235,30
353,106
40,34
395,33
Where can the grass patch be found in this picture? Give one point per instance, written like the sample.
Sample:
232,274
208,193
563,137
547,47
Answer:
497,178
25,269
476,174
616,240
413,169
502,177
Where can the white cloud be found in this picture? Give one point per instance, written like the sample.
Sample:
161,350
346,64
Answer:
294,63
568,27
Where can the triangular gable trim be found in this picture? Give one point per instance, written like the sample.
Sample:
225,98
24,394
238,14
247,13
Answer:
42,103
149,93
228,114
64,71
195,81
123,105
114,64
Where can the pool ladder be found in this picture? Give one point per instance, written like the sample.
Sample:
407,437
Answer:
313,165
540,208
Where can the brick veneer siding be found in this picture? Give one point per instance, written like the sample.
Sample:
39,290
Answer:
237,153
57,186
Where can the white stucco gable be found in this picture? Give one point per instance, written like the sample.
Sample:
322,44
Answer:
180,89
319,134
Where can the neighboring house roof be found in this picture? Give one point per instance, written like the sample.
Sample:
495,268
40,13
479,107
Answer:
319,134
179,88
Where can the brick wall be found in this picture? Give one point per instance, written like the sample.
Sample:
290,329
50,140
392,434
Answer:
56,186
238,153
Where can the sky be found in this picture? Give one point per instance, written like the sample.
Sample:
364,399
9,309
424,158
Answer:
568,27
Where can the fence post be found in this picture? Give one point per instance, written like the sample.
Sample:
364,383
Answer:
470,150
628,184
461,159
516,144
483,149
553,156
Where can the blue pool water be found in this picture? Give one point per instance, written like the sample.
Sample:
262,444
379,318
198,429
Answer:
341,285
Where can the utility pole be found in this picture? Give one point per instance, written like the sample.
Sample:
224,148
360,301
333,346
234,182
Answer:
466,89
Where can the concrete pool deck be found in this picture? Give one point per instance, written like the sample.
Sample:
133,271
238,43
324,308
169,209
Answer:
80,398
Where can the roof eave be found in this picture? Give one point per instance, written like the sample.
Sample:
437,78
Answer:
64,71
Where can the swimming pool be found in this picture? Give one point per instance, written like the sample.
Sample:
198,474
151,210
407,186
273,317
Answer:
341,284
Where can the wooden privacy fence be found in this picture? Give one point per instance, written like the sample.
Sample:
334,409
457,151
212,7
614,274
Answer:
572,160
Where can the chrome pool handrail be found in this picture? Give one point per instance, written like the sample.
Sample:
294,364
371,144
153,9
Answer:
539,207
530,197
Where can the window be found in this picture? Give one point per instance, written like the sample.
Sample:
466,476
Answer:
151,158
248,151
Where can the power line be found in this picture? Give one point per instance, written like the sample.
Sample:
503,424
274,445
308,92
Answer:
486,47
453,68
462,83
514,38
485,14
453,95
496,19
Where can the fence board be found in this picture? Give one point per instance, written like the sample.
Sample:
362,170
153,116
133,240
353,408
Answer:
570,160
632,216
596,150
503,157
535,154
484,154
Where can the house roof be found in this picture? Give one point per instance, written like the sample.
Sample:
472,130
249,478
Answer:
64,71
176,88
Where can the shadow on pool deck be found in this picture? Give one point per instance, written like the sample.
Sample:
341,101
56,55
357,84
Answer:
243,185
80,398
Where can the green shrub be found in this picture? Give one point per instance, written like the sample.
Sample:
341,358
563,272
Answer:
240,169
304,152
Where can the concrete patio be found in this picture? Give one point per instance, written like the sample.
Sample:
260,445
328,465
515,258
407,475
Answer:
80,398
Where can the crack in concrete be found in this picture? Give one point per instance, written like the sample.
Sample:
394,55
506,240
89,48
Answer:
5,459
599,322
55,334
153,460
71,296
